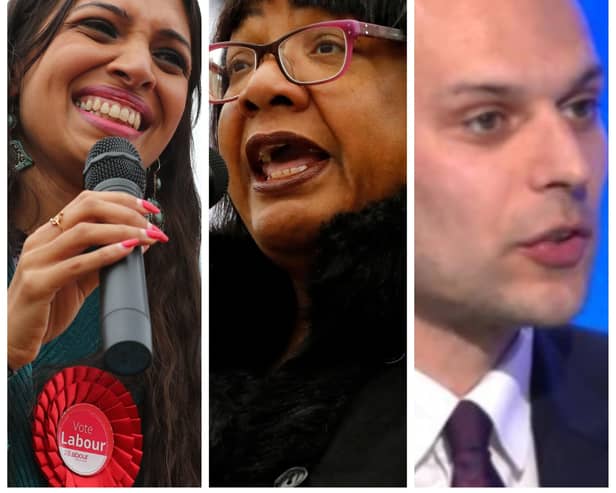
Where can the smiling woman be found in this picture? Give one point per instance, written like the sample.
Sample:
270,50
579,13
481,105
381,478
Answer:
307,318
79,71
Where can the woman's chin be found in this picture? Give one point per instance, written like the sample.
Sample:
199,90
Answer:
286,237
286,243
289,227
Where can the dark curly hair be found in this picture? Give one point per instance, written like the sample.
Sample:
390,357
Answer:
171,410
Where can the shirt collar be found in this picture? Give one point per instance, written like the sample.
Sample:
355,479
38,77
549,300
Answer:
431,413
503,394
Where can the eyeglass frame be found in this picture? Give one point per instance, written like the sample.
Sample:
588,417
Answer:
351,28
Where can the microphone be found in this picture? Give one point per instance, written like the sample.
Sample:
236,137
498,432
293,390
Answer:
219,177
114,164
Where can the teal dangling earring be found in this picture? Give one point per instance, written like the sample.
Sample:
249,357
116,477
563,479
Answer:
159,218
23,158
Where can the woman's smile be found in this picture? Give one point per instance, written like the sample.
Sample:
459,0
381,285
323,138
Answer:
109,75
110,110
114,110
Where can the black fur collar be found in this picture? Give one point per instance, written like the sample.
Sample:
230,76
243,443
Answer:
262,423
358,288
358,292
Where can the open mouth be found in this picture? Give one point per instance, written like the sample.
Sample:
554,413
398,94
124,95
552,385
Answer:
112,110
282,156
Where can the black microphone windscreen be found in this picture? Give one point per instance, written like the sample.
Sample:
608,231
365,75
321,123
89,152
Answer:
219,177
113,157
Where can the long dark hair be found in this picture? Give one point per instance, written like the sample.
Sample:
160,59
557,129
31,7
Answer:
384,12
172,402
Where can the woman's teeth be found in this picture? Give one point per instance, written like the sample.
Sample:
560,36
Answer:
284,173
111,110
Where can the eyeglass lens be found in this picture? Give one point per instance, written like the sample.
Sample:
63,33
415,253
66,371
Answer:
309,56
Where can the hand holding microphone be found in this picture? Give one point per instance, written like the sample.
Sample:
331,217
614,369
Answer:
58,267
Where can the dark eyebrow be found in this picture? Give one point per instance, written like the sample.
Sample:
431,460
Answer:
112,8
492,88
169,33
591,74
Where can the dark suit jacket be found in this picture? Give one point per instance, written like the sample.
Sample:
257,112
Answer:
569,393
569,418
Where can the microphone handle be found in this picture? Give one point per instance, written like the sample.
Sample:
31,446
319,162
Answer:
124,311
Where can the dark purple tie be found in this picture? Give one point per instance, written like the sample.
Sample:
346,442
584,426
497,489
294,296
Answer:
468,433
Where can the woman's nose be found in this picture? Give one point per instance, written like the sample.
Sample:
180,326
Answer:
134,66
268,88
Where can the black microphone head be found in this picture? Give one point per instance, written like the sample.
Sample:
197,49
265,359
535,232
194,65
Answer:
219,177
113,157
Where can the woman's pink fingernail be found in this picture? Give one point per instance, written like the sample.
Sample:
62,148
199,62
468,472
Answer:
130,243
148,206
156,234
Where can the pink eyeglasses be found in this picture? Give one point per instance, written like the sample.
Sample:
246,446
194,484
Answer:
312,54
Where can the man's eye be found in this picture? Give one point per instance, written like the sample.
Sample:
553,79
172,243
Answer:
101,25
171,57
582,110
485,123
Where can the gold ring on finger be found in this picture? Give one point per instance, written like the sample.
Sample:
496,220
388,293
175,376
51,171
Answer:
57,220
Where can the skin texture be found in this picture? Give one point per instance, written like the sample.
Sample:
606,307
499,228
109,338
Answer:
83,55
54,274
358,119
495,168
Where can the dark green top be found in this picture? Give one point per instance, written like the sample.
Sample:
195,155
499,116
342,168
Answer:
80,340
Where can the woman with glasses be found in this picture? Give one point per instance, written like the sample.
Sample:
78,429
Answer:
308,249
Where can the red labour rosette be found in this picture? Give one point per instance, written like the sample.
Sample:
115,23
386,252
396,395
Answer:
86,430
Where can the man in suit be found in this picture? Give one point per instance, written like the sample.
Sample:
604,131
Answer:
510,161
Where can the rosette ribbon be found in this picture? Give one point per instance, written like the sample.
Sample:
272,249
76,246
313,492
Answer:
86,385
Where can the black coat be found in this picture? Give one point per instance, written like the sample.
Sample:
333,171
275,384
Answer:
336,414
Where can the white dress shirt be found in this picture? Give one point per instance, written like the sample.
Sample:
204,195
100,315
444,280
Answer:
504,395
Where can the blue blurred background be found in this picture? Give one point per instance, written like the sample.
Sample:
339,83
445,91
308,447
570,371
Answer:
594,314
